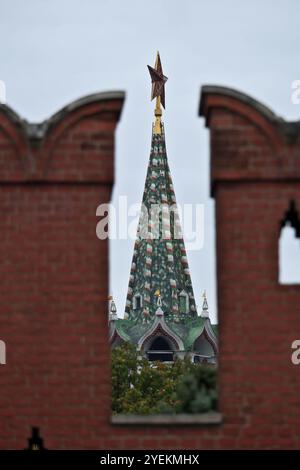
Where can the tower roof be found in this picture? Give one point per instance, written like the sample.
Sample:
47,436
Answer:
160,298
159,261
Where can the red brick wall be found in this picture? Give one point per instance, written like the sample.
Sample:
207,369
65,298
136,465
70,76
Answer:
54,279
255,172
53,273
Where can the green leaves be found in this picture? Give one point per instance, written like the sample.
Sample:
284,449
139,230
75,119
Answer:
143,387
197,390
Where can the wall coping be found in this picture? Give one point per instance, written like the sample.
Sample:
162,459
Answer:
33,144
184,419
289,129
35,130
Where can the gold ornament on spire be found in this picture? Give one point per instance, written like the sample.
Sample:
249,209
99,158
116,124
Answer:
158,80
158,295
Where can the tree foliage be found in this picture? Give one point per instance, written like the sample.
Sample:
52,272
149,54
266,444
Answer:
143,387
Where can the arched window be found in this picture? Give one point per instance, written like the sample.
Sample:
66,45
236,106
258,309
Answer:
137,302
160,350
203,347
289,247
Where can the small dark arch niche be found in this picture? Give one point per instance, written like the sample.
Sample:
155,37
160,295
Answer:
289,246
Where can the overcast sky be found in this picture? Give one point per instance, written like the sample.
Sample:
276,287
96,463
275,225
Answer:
53,52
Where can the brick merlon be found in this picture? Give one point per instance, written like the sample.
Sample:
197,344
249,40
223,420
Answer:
249,142
213,96
74,144
39,130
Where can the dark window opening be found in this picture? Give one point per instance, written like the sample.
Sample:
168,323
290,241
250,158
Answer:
160,350
137,302
203,360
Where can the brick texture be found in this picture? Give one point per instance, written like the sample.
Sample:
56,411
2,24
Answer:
53,273
255,173
54,280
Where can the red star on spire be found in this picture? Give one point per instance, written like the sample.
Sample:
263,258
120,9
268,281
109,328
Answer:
158,80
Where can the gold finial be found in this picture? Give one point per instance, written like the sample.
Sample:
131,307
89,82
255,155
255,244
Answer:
158,115
158,295
158,80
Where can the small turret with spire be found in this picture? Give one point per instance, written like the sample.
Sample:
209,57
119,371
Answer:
159,312
113,316
205,312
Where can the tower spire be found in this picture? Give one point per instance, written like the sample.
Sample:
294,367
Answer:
161,318
158,80
159,274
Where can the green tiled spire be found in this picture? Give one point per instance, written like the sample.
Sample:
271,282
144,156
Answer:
159,262
160,312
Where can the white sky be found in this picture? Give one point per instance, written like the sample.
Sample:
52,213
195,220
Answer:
289,256
53,52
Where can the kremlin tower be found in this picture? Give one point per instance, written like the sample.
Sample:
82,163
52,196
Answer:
161,316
